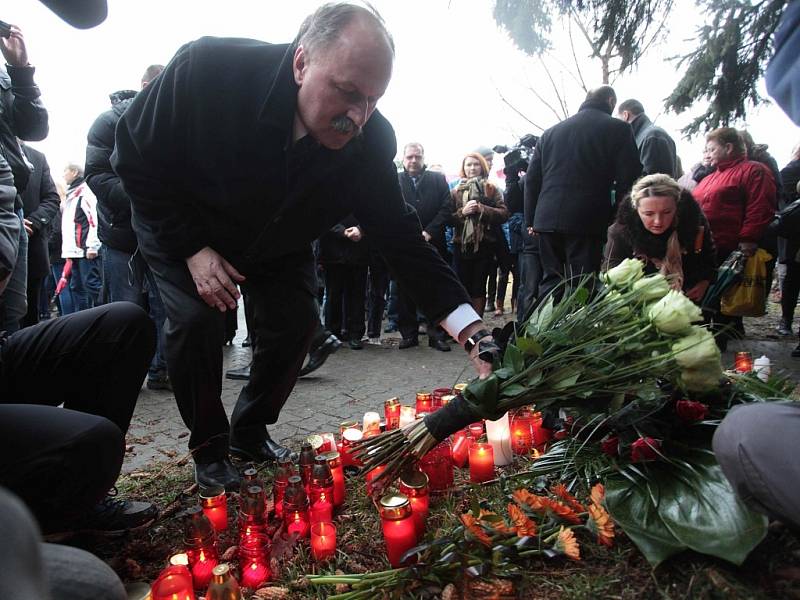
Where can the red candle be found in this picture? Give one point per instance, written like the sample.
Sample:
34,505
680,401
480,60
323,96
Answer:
424,402
397,522
481,462
349,437
541,435
371,476
328,443
173,583
321,510
476,430
200,539
391,412
202,562
344,426
460,448
437,464
295,508
414,485
744,362
253,562
215,507
335,463
438,395
323,540
297,522
521,432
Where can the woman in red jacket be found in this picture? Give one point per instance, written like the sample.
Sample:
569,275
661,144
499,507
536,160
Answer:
738,199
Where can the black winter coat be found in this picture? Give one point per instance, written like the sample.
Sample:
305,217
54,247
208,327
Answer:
41,202
9,224
656,147
575,168
790,175
335,248
627,238
431,199
205,154
113,204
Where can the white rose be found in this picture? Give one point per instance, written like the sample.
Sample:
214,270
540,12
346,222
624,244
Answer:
652,288
674,313
625,273
696,349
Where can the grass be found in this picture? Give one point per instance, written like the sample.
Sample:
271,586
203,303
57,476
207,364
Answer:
772,570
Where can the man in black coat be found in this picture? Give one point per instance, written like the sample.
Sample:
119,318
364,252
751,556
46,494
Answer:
233,186
578,169
126,276
656,147
428,193
40,202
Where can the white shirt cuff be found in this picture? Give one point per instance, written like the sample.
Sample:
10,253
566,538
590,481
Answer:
458,320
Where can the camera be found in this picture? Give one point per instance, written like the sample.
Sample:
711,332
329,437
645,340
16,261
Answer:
516,158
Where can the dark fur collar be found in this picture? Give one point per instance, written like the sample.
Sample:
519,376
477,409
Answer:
642,241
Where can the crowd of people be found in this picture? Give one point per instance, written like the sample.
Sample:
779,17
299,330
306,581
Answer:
290,202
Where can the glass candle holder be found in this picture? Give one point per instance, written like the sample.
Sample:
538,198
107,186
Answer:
744,362
481,462
345,425
438,395
284,470
173,583
328,443
200,540
253,562
337,471
459,387
437,464
408,414
371,424
321,496
521,432
459,449
252,514
349,437
180,559
397,523
295,508
249,477
476,430
215,506
391,412
201,563
424,402
541,435
370,476
447,399
306,461
414,485
323,540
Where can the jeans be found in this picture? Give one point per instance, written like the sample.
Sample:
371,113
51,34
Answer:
127,278
14,300
82,284
64,300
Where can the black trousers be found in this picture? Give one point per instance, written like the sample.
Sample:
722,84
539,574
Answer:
378,284
345,294
61,461
282,318
565,256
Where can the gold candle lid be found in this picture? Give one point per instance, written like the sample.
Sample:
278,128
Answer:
424,396
415,480
391,401
181,559
460,387
221,572
395,507
348,425
352,435
331,455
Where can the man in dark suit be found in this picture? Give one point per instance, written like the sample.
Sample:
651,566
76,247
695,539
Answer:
656,147
232,187
40,201
578,170
427,192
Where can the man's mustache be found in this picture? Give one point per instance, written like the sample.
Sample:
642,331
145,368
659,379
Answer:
345,124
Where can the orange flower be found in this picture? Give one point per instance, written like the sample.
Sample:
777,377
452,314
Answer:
562,511
523,496
474,527
602,525
522,523
560,490
493,521
598,493
566,544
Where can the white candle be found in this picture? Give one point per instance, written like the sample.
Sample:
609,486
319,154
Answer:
498,433
372,423
408,414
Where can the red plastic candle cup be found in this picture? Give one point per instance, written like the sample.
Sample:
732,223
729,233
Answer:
371,475
476,430
459,449
399,531
323,540
201,563
321,509
335,463
541,435
253,562
437,464
414,485
744,362
350,436
215,506
201,546
328,443
481,462
438,394
424,402
295,508
173,583
296,522
391,412
521,432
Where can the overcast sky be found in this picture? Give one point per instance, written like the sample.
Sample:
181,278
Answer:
453,64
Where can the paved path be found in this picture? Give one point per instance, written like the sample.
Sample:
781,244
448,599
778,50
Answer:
347,385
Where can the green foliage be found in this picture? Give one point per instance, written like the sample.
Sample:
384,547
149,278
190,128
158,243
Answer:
528,23
733,49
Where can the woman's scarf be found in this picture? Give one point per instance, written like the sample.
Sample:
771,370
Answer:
473,230
671,266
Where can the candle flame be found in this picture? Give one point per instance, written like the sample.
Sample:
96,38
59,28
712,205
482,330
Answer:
202,556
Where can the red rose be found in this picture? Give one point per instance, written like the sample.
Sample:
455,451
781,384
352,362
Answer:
645,449
561,434
690,411
610,445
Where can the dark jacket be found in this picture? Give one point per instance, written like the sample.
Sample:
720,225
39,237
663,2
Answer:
790,175
113,204
335,248
22,115
40,201
431,199
9,224
577,169
216,168
627,238
656,147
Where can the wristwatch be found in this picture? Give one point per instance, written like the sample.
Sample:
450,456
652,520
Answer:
488,350
473,340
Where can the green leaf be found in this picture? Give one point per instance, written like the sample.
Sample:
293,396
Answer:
513,390
565,377
581,296
529,346
504,373
482,396
685,509
535,378
540,320
513,359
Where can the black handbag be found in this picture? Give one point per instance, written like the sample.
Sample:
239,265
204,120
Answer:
786,223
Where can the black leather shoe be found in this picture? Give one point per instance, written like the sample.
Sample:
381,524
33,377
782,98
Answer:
317,357
240,374
439,345
217,473
408,343
267,451
356,345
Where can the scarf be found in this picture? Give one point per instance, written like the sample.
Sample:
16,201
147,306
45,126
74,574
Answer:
473,230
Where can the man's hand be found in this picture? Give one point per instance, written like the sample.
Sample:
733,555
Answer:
696,293
91,254
212,276
482,367
353,234
748,248
13,48
28,226
426,236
